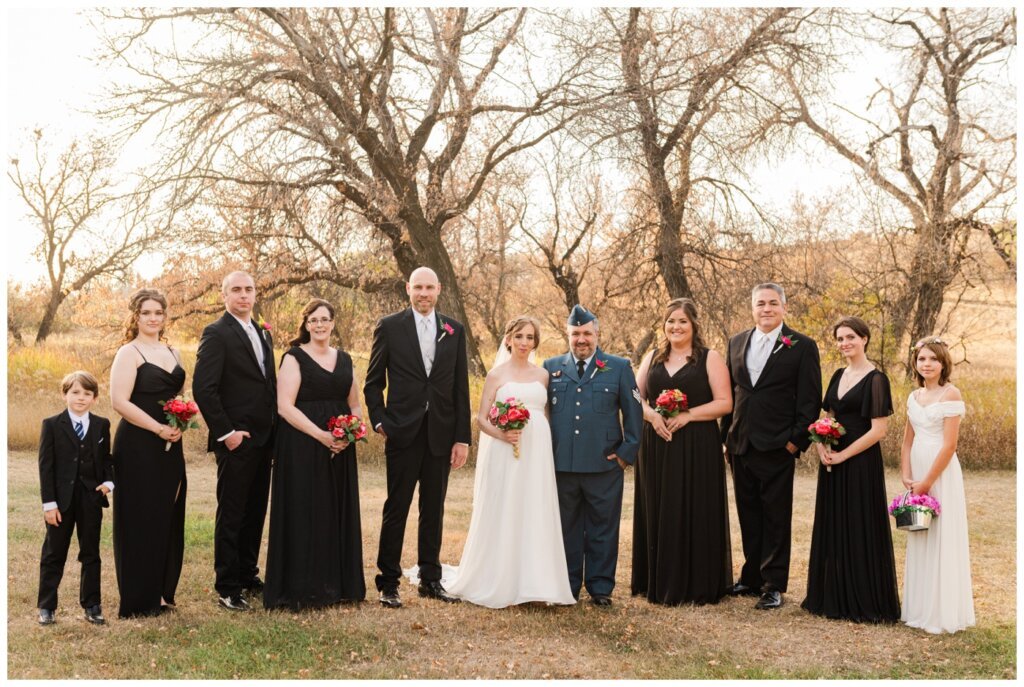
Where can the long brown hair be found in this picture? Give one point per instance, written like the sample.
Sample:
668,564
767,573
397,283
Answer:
131,324
697,347
303,336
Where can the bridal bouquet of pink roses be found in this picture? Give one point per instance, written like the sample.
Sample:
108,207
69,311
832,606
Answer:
508,415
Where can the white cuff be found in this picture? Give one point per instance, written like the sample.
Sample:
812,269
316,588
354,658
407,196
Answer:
49,505
109,485
226,435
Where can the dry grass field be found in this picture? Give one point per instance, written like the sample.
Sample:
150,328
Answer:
428,639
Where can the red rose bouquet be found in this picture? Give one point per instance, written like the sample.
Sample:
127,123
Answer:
670,403
348,427
508,415
180,414
826,431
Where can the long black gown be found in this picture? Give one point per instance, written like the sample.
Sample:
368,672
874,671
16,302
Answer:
681,550
852,570
315,555
149,499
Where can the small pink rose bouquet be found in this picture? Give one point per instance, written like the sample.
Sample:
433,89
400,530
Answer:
826,431
348,427
508,415
180,413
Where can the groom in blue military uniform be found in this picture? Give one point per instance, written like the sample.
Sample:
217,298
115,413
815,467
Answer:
587,391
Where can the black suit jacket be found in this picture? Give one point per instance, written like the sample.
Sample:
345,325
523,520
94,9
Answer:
228,386
396,362
785,400
61,452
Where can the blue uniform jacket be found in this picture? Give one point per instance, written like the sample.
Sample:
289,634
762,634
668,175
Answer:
585,413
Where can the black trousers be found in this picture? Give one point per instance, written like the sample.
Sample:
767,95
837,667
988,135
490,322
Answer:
243,488
85,515
763,483
406,467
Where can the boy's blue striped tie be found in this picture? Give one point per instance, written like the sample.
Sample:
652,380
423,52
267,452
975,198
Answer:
79,429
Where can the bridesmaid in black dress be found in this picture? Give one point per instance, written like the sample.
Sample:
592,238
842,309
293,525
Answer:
852,571
149,501
315,556
681,549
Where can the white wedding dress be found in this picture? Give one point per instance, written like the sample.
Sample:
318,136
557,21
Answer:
514,552
937,577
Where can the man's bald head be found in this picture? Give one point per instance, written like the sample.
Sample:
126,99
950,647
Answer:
423,288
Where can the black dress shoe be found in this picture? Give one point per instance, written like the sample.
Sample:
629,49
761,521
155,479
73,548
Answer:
769,600
434,590
235,602
389,598
601,600
94,614
254,586
46,617
740,589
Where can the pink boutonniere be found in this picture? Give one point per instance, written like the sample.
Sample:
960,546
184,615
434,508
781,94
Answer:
448,330
263,325
599,366
786,341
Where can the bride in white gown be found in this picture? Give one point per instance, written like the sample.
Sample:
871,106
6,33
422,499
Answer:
514,552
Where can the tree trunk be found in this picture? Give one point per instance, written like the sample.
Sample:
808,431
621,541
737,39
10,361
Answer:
433,253
567,283
49,316
670,260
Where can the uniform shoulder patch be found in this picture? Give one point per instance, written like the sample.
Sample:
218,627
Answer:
636,394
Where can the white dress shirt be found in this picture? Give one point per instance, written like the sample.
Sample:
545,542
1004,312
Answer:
84,419
760,349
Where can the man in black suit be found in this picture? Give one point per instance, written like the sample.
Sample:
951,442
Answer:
420,356
776,379
235,385
76,473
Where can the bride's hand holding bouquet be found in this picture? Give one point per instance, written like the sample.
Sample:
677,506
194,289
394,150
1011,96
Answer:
510,416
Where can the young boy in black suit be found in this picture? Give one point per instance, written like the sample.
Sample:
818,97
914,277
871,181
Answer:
75,475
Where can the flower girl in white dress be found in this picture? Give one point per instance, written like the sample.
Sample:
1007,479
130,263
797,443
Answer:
937,578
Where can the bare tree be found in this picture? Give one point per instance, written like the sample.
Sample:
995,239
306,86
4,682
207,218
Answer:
692,82
401,112
88,230
936,139
566,219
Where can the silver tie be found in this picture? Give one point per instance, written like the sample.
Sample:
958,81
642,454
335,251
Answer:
763,353
257,347
427,345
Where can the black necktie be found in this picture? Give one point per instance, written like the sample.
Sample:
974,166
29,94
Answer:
580,364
